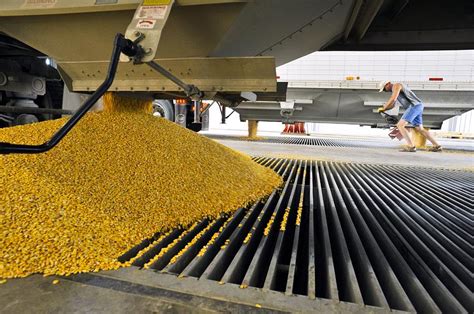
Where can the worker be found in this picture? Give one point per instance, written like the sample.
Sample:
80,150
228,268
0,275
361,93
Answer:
413,113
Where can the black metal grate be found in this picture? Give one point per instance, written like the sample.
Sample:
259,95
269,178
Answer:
388,236
347,142
311,141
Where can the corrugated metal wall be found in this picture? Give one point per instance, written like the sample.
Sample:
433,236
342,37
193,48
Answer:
378,65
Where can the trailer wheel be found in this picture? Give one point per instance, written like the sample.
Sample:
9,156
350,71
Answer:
163,108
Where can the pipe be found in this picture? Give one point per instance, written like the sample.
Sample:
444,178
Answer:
197,111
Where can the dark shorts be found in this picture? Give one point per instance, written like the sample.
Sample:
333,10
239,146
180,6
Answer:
414,115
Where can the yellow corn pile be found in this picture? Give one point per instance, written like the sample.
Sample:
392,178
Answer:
118,177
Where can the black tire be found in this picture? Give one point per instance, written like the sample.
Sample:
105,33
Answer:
163,108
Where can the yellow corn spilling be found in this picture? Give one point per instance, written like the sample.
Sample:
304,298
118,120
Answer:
118,177
116,103
252,128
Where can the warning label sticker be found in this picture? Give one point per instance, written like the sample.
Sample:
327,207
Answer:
151,12
156,2
146,24
39,3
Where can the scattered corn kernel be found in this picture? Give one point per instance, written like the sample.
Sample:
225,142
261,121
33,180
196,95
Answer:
152,244
247,238
258,305
214,237
252,138
300,203
175,258
164,250
269,225
2,281
285,219
118,177
55,281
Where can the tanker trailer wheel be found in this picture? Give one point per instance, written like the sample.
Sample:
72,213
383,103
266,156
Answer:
164,109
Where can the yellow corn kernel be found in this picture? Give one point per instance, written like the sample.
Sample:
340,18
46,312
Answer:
269,225
285,219
247,238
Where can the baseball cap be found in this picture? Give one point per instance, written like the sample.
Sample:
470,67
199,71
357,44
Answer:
382,85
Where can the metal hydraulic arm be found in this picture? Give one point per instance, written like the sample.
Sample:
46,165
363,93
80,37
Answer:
190,90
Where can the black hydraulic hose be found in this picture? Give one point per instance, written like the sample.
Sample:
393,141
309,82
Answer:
121,44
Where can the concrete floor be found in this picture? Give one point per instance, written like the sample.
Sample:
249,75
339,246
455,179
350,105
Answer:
108,292
39,295
447,159
131,290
